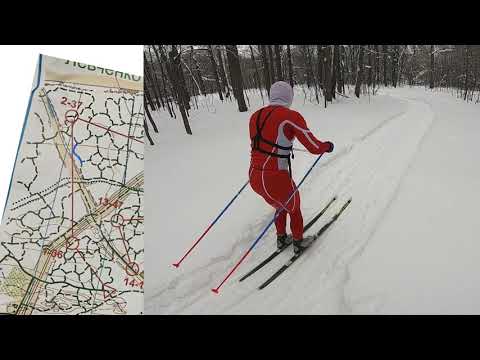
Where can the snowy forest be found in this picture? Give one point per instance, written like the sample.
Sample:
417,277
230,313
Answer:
177,76
404,121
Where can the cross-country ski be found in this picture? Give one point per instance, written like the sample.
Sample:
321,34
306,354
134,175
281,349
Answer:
280,249
310,243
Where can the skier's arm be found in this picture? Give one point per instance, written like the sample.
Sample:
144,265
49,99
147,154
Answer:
306,137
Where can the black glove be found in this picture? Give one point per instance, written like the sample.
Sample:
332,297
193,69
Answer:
330,149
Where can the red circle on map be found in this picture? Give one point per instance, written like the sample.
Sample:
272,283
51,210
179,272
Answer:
132,266
73,244
117,220
71,116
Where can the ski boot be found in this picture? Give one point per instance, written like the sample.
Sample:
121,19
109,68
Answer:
300,245
283,240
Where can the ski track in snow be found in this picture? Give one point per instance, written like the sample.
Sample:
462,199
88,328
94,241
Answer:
357,250
386,151
422,254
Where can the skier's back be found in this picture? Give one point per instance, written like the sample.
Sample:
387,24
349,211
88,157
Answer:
272,131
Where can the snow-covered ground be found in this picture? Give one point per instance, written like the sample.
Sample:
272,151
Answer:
408,243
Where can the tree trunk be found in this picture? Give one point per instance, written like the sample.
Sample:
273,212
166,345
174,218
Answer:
198,74
305,66
236,76
467,48
401,64
278,63
147,133
148,98
474,87
353,64
320,66
328,72
369,73
223,76
432,65
271,67
376,66
266,70
149,80
310,75
153,77
151,119
358,82
215,72
179,77
259,81
335,69
394,65
172,66
385,50
338,67
163,76
290,68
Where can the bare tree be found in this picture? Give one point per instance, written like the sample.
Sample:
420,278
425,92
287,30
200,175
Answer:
339,68
147,132
385,55
236,76
311,75
256,71
369,72
197,73
395,55
271,67
278,63
290,68
223,76
376,66
432,65
327,75
215,72
266,70
335,69
173,67
320,66
148,75
467,48
359,80
175,61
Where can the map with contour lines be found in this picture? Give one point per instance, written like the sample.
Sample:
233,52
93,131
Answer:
71,236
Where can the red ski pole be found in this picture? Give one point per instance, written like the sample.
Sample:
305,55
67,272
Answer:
177,264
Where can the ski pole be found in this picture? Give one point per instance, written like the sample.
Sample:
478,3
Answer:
177,264
266,227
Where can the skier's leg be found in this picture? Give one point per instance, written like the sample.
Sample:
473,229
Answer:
296,218
259,182
300,243
279,188
276,187
281,223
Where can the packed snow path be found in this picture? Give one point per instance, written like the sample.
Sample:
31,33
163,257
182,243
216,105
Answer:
406,244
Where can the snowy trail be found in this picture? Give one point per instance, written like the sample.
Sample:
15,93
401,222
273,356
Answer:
369,167
430,264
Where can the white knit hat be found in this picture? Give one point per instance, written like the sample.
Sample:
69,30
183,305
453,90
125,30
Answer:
281,93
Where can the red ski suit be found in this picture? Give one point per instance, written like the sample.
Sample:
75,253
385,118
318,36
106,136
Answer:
269,175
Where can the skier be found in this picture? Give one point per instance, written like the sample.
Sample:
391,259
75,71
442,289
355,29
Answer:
272,131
